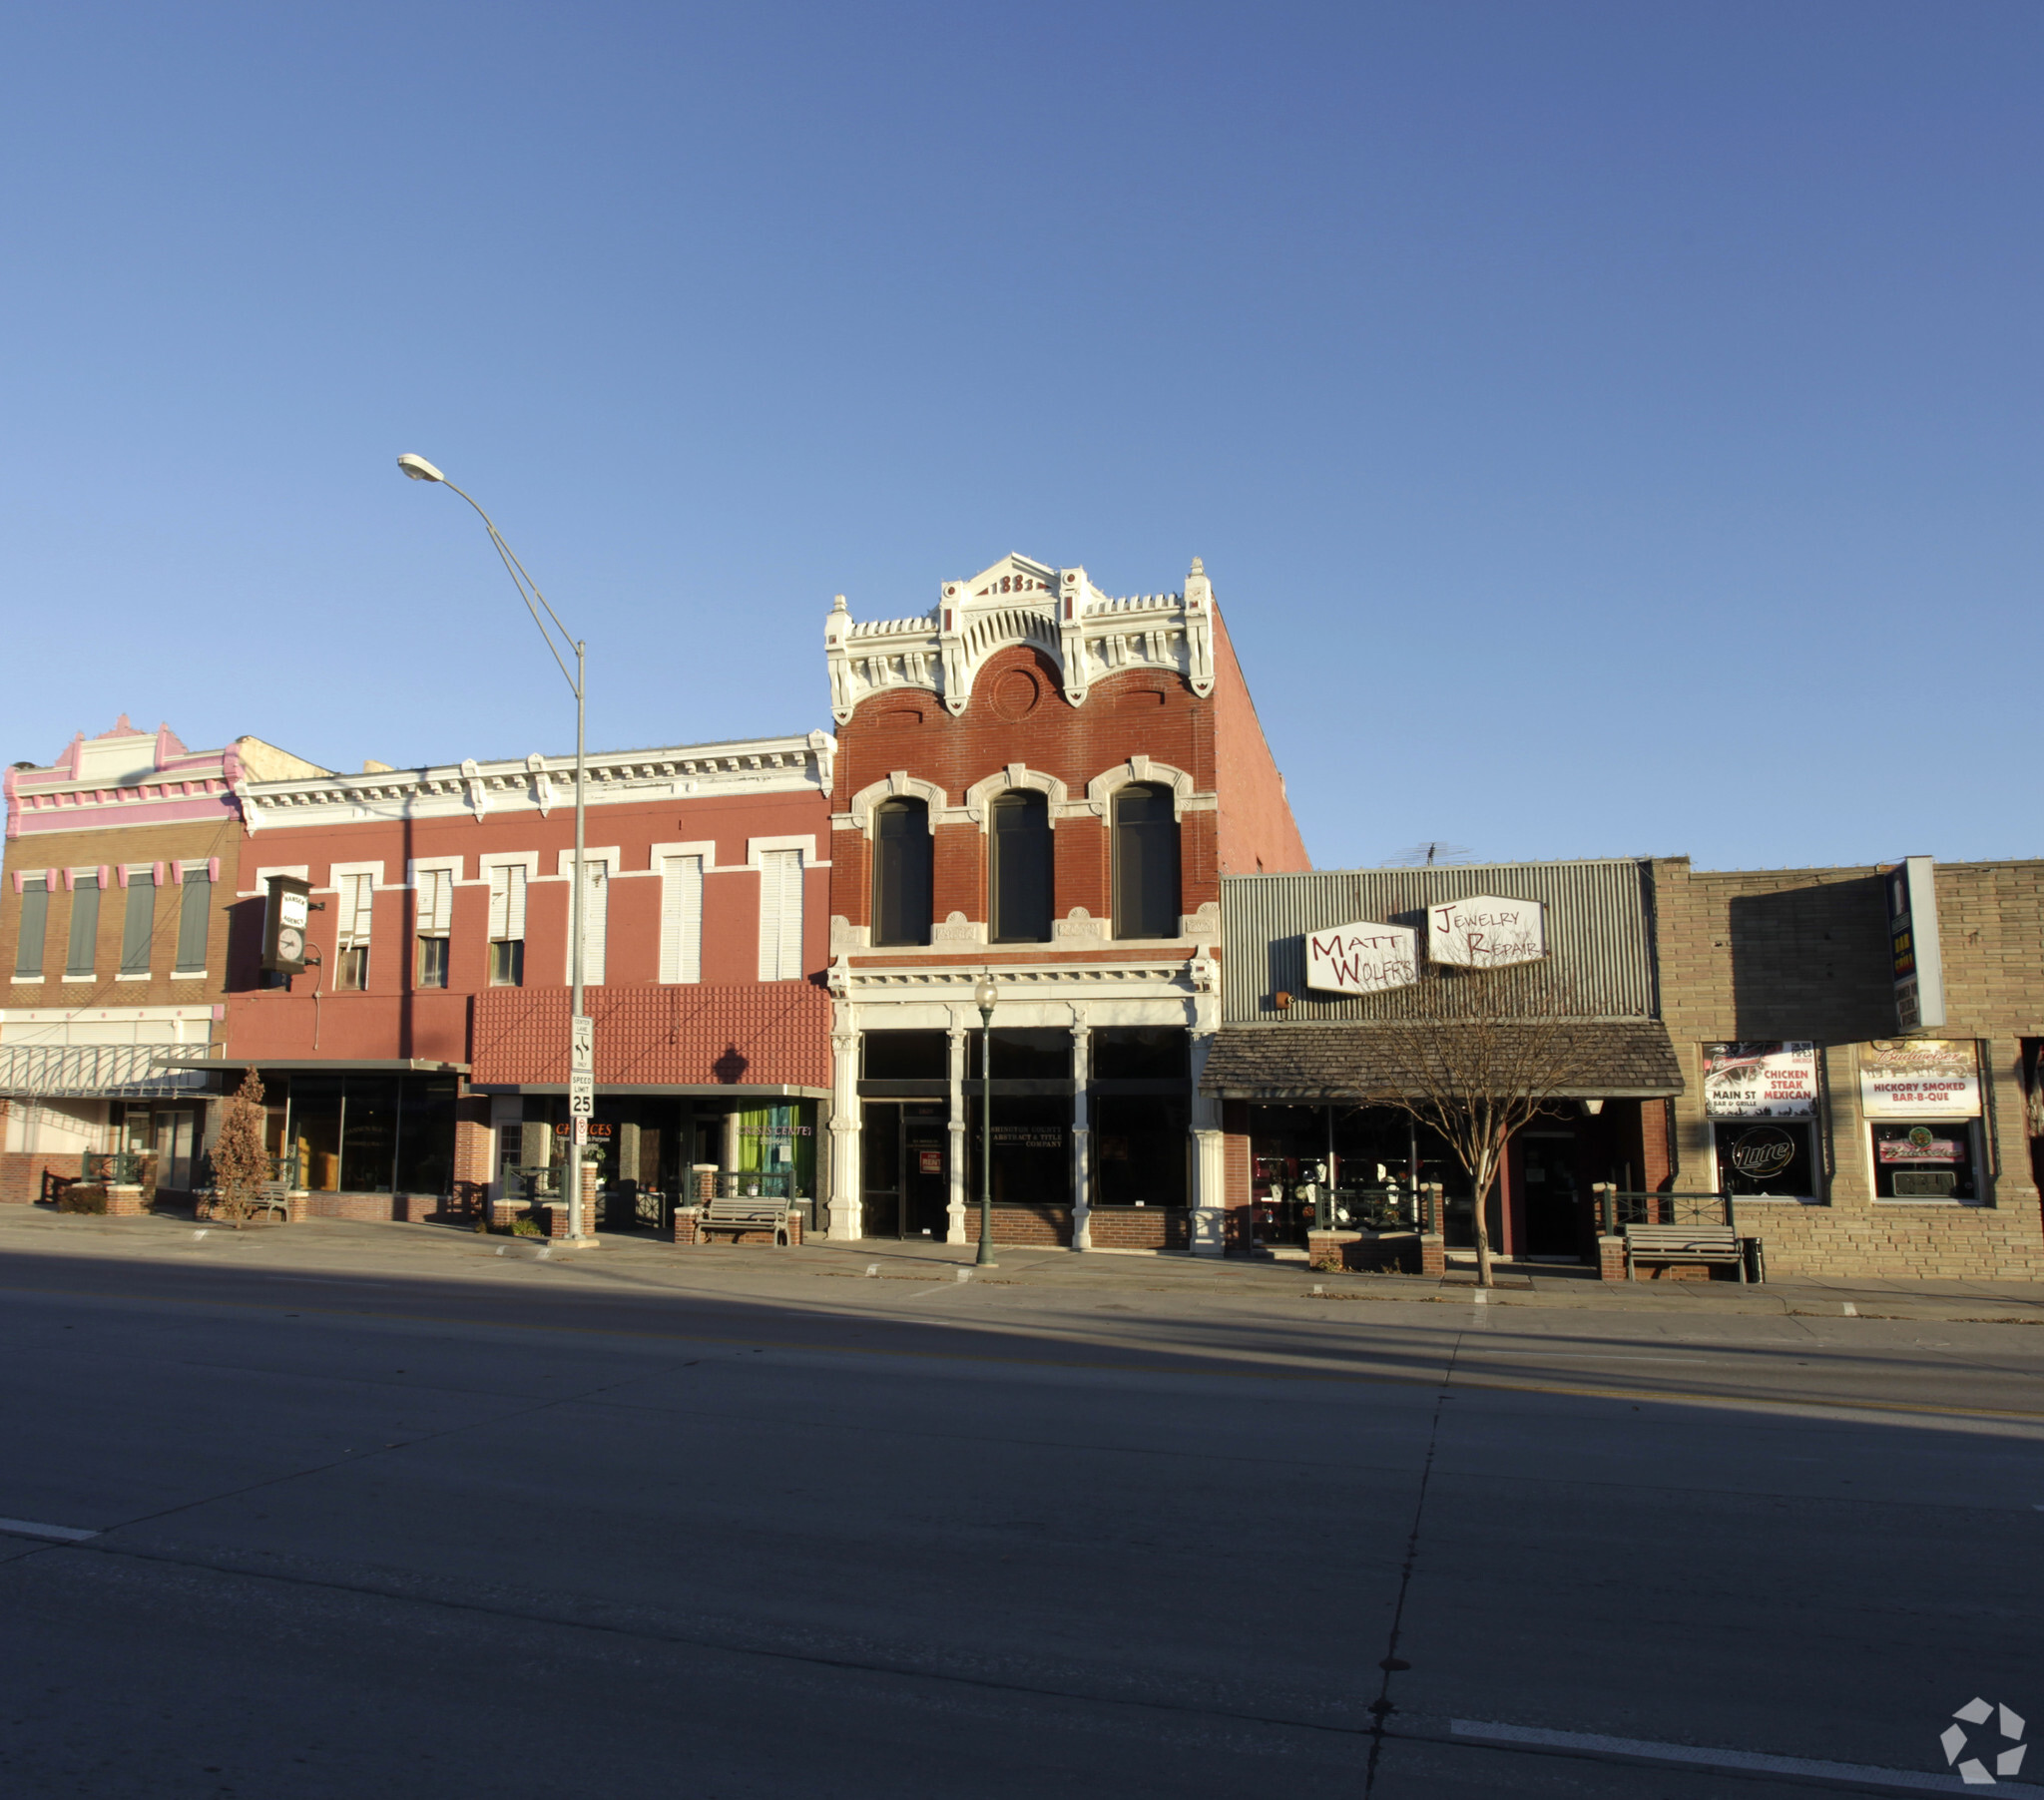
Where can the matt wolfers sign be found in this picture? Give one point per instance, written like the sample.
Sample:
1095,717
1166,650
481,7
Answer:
1486,932
1363,958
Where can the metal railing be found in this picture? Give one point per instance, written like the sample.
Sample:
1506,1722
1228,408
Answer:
1385,1208
1617,1207
129,1169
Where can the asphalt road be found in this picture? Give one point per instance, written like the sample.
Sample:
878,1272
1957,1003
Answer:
465,1524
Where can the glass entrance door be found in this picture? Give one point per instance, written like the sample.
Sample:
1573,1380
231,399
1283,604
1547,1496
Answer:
880,1169
925,1148
1547,1161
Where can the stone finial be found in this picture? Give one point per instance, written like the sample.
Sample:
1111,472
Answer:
1199,566
839,606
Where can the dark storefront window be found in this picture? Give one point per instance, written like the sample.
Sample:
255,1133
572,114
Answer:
1019,869
1145,858
1031,1055
1141,1053
315,1130
905,1057
367,1134
1032,1150
425,1140
1764,1158
901,872
1924,1159
1140,1148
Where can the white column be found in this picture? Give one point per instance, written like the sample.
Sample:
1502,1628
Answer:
1210,1162
954,1166
1081,1133
846,1203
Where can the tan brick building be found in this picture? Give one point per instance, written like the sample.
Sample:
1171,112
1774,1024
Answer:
1854,1149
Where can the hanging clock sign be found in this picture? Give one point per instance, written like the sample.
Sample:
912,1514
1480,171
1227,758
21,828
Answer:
288,912
1486,931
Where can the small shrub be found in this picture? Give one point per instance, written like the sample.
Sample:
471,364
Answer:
526,1227
1328,1262
83,1197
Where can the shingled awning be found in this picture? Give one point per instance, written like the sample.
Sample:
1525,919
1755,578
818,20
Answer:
1630,1060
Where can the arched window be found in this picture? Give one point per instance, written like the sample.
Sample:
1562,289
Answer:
1145,863
901,872
1018,862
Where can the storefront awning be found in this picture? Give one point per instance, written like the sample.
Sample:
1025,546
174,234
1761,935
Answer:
96,1071
1631,1059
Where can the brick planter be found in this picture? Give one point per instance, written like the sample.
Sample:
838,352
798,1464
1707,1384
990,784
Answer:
1134,1227
1399,1253
123,1199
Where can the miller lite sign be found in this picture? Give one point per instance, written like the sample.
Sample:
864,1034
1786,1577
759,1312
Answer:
1363,958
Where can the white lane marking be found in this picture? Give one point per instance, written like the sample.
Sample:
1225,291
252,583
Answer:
1593,1356
57,1533
1479,1298
1743,1761
1852,1311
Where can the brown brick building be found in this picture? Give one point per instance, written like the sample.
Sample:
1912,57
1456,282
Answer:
122,861
1854,1148
1043,786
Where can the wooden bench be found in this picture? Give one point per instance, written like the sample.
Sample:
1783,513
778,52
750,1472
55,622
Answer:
739,1213
1682,1243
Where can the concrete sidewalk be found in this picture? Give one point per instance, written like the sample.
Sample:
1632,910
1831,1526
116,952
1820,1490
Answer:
422,1250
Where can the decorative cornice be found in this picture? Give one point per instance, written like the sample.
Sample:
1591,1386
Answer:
537,783
1083,631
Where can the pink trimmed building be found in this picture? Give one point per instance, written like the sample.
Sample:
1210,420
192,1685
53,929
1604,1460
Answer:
122,857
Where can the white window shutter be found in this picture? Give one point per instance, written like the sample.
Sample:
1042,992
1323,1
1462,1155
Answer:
595,893
356,891
780,915
681,919
435,902
507,903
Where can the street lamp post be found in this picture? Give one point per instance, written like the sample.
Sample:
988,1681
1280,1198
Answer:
984,994
581,1037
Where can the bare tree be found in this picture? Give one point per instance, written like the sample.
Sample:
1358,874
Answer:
1477,1053
241,1163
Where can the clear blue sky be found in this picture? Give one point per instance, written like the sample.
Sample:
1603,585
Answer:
1611,428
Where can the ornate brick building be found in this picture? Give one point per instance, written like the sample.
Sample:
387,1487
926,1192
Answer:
1043,786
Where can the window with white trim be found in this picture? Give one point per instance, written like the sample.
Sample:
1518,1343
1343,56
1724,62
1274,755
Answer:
507,926
680,918
780,915
194,913
352,939
84,927
434,893
34,925
138,926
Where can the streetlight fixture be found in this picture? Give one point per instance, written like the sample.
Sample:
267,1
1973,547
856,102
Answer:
984,995
581,1034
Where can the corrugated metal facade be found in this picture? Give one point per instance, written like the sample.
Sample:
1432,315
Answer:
1600,961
